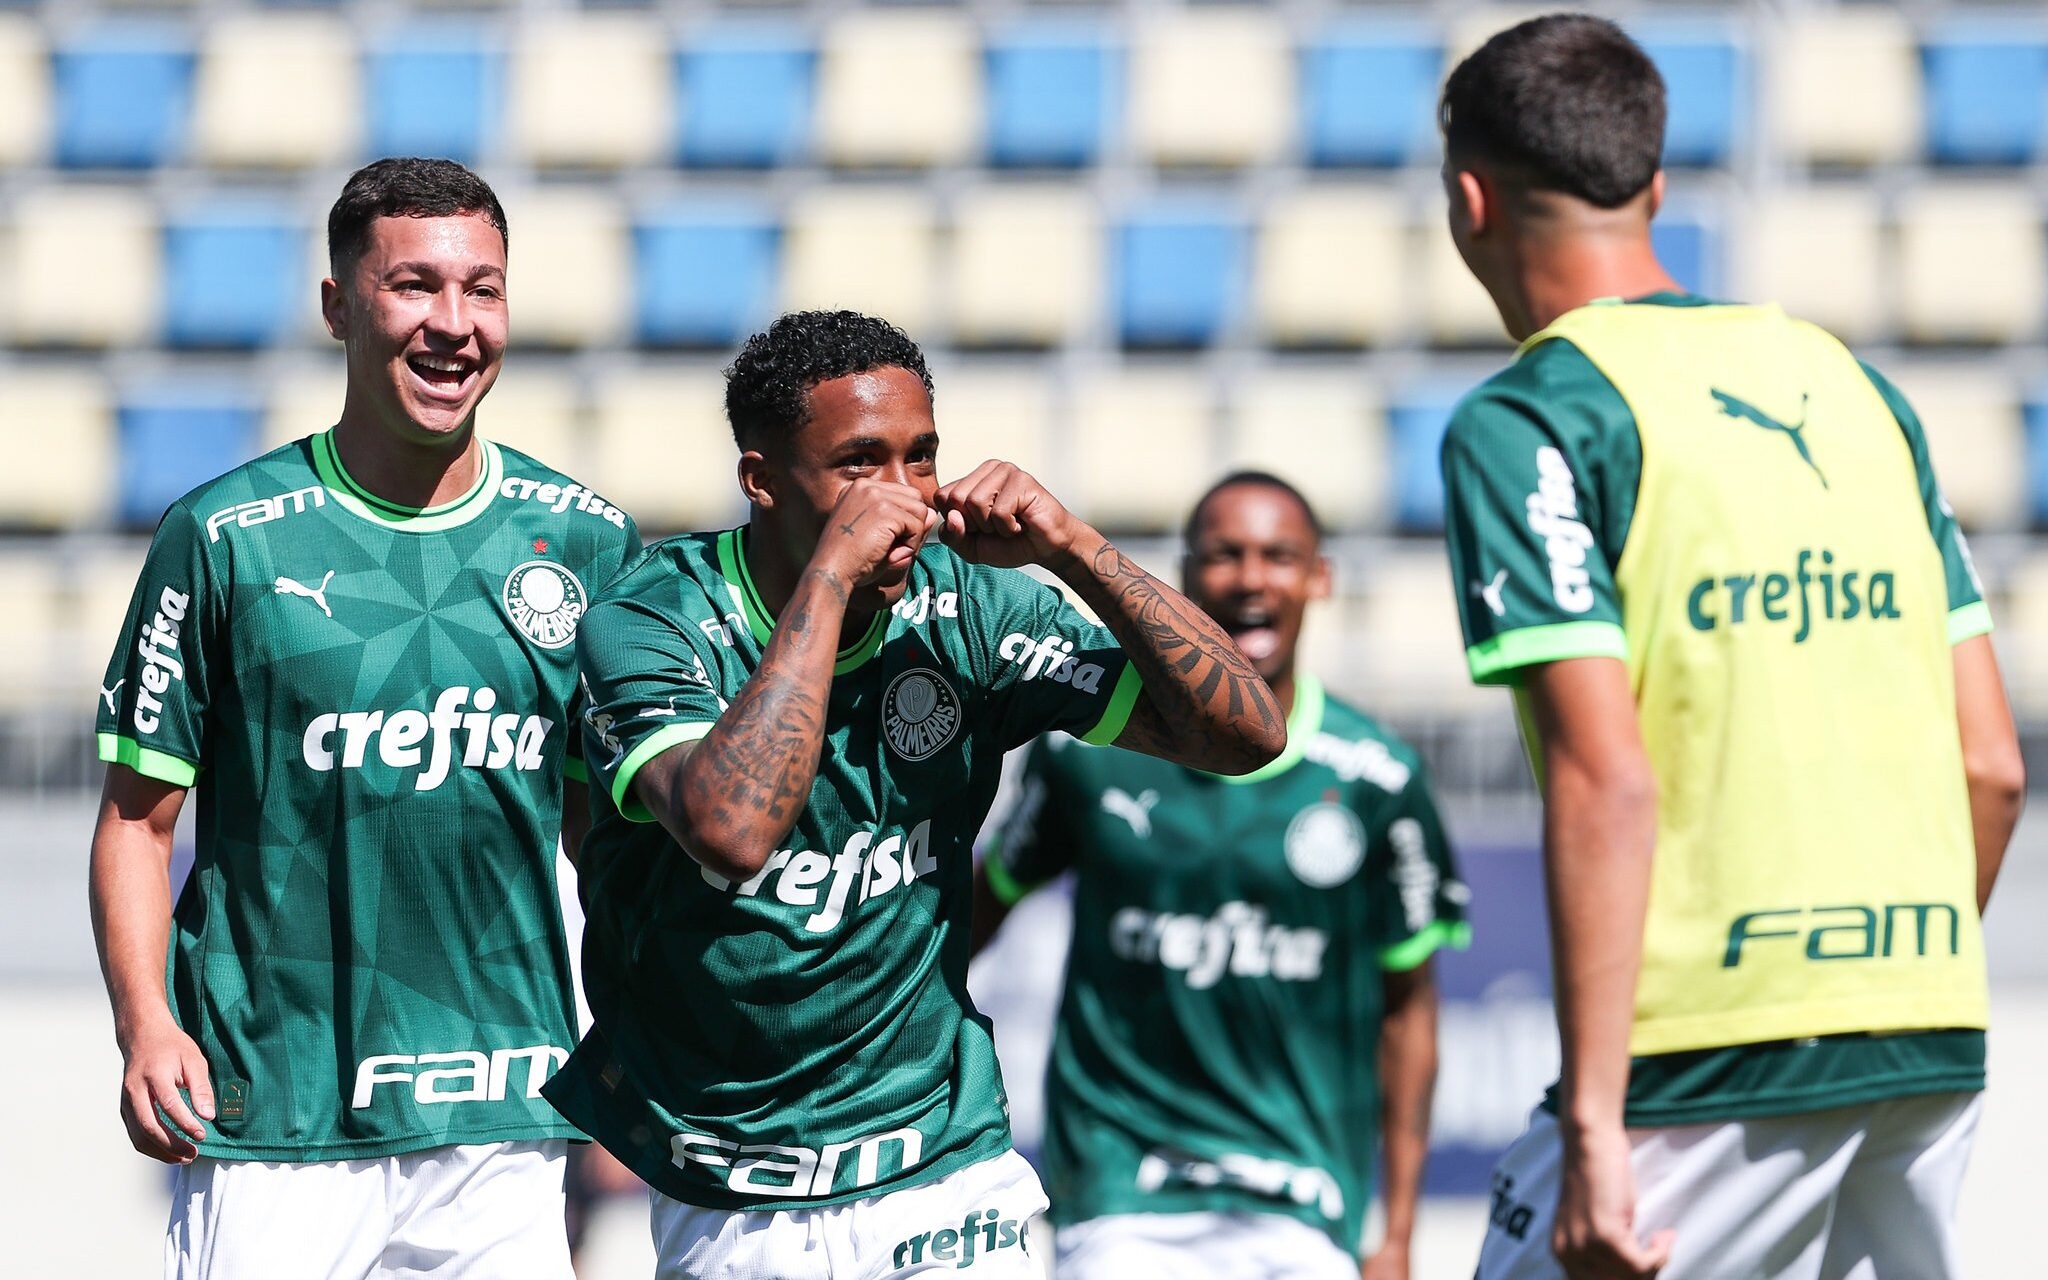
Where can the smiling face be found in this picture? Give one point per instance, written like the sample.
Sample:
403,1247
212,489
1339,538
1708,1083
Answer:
1253,563
421,312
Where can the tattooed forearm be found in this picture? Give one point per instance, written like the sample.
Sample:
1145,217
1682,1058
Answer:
1204,705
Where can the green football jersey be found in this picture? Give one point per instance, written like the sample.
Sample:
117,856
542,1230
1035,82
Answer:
1218,1037
805,1037
375,706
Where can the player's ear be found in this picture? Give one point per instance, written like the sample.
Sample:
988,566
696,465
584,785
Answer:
1320,579
1656,192
1476,198
757,480
334,308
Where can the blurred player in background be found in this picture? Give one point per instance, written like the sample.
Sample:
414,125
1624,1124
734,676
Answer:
799,726
359,647
1706,548
1250,1007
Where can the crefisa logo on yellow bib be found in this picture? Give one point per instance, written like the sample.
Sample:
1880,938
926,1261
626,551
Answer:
920,713
545,602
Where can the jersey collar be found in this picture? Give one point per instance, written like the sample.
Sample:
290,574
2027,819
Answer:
1304,721
392,515
732,565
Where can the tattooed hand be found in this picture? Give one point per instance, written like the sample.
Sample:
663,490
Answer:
999,515
872,536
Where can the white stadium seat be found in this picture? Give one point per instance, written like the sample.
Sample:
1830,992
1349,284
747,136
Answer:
61,460
1977,439
901,89
568,281
536,409
24,91
1972,264
1211,87
1142,445
660,448
1455,307
1817,252
277,91
1842,86
1324,432
1332,267
84,269
865,249
1026,265
994,409
591,91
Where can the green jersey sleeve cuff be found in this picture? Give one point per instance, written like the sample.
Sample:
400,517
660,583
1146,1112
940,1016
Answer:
652,745
1129,684
574,770
1969,621
150,763
1008,890
1437,934
1496,660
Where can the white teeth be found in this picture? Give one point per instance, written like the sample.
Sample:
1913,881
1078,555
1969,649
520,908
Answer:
441,364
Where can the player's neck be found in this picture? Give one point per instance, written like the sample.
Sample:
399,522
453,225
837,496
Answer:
775,573
407,473
1283,686
1561,275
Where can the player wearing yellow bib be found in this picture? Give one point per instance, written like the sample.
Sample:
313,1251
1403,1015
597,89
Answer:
1706,548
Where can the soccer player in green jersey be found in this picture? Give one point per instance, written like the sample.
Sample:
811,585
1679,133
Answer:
796,729
359,649
1705,547
1249,1004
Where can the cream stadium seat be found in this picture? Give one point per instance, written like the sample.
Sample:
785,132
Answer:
568,282
995,409
866,249
1332,267
1818,253
1411,654
276,91
83,268
899,89
661,449
24,91
1026,265
591,91
61,455
1842,86
1141,445
1456,310
2022,635
1976,434
90,610
305,398
1324,432
538,410
1211,87
1972,264
33,647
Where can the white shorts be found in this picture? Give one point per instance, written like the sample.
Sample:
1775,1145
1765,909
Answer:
1856,1193
972,1219
1198,1246
457,1213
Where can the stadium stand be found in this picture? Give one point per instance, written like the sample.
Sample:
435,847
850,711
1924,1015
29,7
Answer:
1818,252
1819,52
276,91
1974,430
745,97
557,121
868,248
231,275
1280,416
123,97
1971,266
1026,265
84,268
898,89
996,410
1178,117
569,281
1368,95
704,273
660,447
1986,91
1051,91
175,437
1181,273
1415,421
433,91
24,90
62,448
1703,77
1143,443
1330,265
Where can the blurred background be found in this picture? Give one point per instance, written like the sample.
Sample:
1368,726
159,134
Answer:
1142,242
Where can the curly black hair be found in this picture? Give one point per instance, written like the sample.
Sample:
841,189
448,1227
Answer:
768,385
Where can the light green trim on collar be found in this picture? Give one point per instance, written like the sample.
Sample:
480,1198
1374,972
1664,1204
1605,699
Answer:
1412,951
669,735
150,763
1304,721
1496,660
403,519
732,565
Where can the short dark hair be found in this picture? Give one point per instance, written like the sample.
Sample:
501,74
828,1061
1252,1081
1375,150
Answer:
768,385
1261,479
1569,100
405,187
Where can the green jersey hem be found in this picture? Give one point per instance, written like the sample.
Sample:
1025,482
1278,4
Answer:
1967,622
1122,700
1434,936
368,1150
395,516
1304,719
1008,889
646,749
1495,660
150,763
732,565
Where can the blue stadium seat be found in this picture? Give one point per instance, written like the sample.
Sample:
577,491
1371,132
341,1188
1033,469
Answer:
175,439
1181,274
233,277
745,97
124,97
1416,420
1705,91
1987,94
704,275
1687,249
1050,96
1368,96
433,93
2037,456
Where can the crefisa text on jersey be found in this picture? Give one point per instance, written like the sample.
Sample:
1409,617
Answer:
158,645
560,497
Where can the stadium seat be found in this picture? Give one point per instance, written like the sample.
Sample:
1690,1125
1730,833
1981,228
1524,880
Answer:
1977,437
32,648
1687,249
705,274
434,91
996,409
1817,251
60,446
304,398
1972,266
745,94
84,268
276,91
1141,445
660,448
898,89
93,590
1368,95
1706,94
868,249
1331,266
1181,274
2036,417
174,439
1027,265
1456,310
1416,420
124,98
538,410
1323,431
1409,655
24,91
1814,115
231,276
2022,617
568,284
1987,92
1051,95
1211,87
560,119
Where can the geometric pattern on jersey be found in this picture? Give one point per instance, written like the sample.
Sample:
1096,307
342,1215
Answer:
375,706
1218,1037
805,1037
